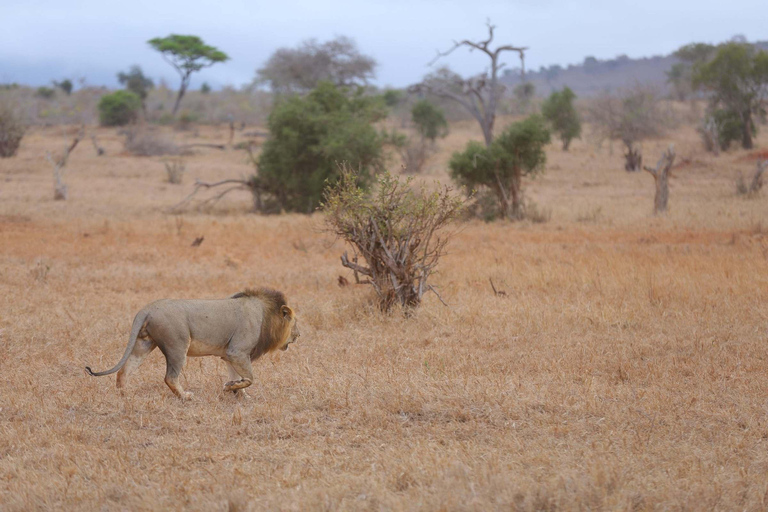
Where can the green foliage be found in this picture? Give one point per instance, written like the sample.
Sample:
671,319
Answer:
558,109
136,82
119,108
728,124
429,120
187,54
311,135
45,92
11,131
392,97
737,79
205,88
518,151
65,85
399,232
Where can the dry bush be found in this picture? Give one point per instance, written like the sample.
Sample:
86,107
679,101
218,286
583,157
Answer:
11,131
415,152
175,171
141,141
752,188
401,234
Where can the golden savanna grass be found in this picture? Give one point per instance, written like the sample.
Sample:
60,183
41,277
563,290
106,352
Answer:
625,368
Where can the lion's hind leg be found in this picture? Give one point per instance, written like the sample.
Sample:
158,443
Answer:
141,350
175,358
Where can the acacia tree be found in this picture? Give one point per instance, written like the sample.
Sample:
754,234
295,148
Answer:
135,81
737,79
301,69
558,109
480,94
517,152
187,55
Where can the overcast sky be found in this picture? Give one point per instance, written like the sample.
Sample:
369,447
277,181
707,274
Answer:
45,39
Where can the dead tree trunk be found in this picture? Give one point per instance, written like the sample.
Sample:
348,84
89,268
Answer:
59,187
99,150
757,179
633,158
661,176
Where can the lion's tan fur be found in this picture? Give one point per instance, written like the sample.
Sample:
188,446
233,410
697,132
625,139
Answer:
239,329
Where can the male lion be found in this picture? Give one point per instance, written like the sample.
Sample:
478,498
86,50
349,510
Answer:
238,329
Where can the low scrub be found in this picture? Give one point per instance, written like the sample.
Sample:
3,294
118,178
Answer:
11,132
147,142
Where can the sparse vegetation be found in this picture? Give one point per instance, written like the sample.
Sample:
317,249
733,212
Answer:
631,117
517,152
187,55
558,109
11,131
399,233
119,108
142,141
174,170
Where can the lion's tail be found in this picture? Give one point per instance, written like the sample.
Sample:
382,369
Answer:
138,324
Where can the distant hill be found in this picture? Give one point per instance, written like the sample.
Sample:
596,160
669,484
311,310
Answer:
594,76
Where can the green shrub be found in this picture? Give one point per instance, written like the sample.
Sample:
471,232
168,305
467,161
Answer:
729,127
45,92
558,109
311,135
429,120
517,152
11,132
119,108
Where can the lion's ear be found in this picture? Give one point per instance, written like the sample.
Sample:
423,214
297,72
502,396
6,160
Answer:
287,312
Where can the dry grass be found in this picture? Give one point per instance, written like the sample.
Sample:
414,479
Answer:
624,369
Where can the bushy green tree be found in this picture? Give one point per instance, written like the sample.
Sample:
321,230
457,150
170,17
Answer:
187,55
558,109
429,120
737,79
518,151
205,88
65,85
311,135
119,108
136,82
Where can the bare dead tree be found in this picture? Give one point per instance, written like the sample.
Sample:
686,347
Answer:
661,176
479,95
757,179
250,184
59,187
755,184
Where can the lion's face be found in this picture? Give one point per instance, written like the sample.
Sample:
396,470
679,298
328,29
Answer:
293,323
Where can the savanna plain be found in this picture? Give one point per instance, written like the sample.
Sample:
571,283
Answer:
623,368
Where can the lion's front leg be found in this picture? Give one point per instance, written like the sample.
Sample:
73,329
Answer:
242,366
234,377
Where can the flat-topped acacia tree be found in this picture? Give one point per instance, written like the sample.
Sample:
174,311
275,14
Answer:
187,54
